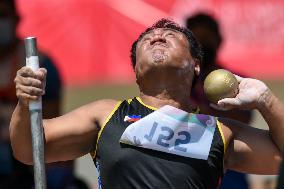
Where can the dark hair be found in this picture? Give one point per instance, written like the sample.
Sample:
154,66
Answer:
194,46
207,21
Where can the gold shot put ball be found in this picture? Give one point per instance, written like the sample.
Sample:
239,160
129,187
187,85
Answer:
220,84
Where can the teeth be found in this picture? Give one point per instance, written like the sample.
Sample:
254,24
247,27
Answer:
159,44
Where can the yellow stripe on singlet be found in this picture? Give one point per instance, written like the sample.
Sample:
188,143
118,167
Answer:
141,102
196,110
94,152
129,100
219,125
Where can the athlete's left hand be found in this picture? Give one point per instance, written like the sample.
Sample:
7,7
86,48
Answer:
252,94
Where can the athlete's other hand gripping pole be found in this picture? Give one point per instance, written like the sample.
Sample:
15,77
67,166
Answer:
35,108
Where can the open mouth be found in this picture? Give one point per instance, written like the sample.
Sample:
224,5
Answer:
156,45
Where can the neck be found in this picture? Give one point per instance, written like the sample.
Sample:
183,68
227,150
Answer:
167,89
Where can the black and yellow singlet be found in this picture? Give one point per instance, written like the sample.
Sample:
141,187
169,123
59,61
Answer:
123,166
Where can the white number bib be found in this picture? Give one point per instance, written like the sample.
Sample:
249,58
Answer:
173,131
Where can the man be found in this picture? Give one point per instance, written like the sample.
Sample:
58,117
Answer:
166,59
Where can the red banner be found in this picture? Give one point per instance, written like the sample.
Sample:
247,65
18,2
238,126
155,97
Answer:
90,40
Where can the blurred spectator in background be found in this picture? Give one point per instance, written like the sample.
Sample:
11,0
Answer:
206,30
14,174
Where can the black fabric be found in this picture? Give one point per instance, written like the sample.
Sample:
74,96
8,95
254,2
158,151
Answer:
122,166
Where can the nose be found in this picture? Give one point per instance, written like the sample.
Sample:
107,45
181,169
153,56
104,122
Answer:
157,37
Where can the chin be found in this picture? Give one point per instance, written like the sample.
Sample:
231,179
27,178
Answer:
158,56
160,61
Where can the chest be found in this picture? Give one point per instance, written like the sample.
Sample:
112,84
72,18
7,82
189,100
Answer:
162,138
132,166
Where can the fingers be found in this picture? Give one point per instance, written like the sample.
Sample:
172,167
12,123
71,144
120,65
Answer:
28,81
229,103
23,97
226,104
30,84
33,91
27,77
216,107
44,72
239,78
40,74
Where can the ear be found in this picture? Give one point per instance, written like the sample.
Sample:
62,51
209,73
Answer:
197,66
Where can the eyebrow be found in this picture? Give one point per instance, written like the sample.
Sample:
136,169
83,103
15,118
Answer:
151,31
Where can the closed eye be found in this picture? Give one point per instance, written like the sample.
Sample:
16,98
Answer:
146,39
169,34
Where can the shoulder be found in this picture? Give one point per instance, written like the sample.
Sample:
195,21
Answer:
99,110
249,147
100,105
230,124
104,104
229,129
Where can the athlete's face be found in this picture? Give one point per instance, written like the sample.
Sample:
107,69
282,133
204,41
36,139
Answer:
164,48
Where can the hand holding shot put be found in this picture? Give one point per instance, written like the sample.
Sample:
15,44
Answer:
231,91
165,50
252,94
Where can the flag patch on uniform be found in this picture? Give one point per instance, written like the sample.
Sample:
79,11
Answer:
132,118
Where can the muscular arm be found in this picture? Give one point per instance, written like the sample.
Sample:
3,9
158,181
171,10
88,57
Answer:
66,137
250,150
258,151
253,150
273,113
